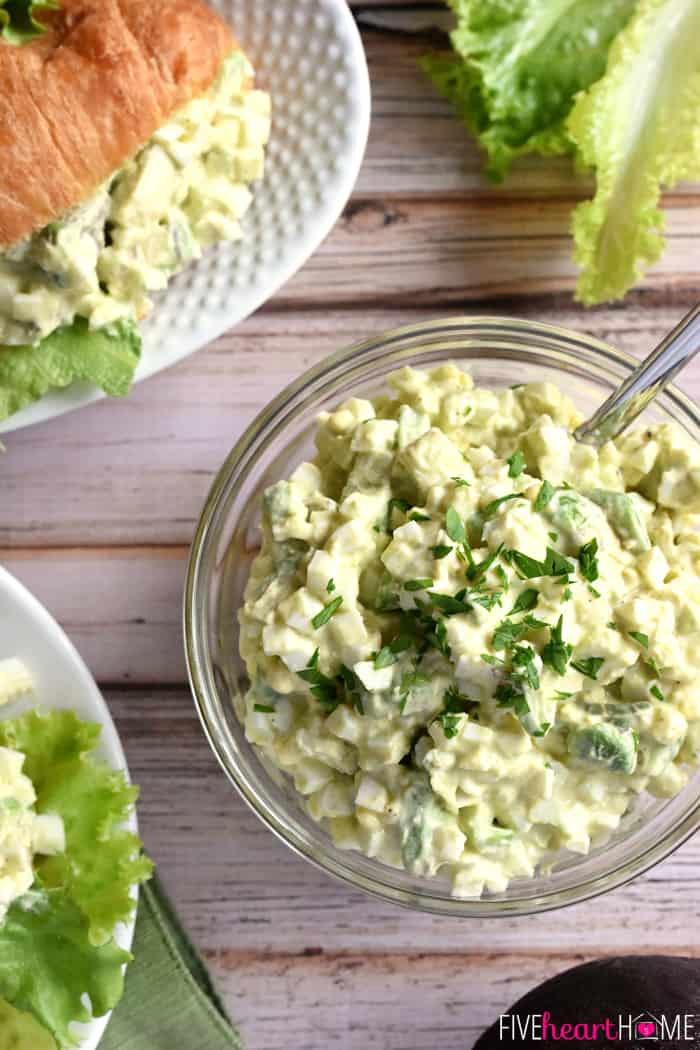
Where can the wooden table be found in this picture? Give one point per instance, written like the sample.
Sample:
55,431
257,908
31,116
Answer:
97,511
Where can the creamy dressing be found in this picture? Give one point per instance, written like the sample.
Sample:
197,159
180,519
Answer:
472,641
184,191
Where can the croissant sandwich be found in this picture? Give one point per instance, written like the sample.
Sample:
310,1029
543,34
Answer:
130,132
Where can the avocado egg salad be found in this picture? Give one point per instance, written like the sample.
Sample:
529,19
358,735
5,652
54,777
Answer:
472,641
72,291
68,869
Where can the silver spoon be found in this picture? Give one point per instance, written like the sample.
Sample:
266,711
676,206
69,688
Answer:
654,373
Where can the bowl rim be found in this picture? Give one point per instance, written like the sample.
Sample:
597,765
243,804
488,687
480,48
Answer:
382,888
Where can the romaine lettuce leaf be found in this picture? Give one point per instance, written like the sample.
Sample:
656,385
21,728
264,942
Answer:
518,66
102,862
18,21
639,128
106,357
47,964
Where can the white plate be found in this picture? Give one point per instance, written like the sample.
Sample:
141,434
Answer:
309,56
62,681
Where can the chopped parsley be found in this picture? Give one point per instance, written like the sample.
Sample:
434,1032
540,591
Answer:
510,694
502,576
554,536
554,564
327,612
544,496
525,601
330,586
264,709
417,516
493,661
557,652
389,654
593,590
455,706
640,637
508,632
475,572
516,464
568,595
330,692
588,560
655,691
589,667
460,482
418,585
492,508
441,551
523,661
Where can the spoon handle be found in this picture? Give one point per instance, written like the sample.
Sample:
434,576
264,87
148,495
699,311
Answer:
653,374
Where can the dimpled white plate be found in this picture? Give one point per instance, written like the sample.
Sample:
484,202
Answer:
61,680
309,56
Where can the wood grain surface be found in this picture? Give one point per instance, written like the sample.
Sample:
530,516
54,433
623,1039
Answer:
98,508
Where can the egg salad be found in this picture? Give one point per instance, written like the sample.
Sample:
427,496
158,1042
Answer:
185,190
472,641
24,833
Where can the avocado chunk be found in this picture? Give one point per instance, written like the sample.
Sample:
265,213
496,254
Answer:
606,745
624,517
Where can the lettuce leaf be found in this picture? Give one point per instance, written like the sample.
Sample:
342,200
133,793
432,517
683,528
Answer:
18,21
518,65
106,357
102,861
20,1031
639,128
47,964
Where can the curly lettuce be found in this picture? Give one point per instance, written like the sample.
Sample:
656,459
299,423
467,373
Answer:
56,944
517,67
639,129
48,963
18,19
106,357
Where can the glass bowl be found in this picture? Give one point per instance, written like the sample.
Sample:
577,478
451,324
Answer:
498,352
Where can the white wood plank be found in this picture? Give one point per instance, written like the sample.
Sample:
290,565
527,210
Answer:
240,890
137,471
120,607
358,1002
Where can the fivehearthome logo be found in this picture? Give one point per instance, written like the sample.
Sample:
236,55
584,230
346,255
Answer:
627,1030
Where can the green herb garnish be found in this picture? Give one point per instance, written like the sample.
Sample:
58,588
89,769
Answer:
589,667
440,551
588,560
516,464
493,507
327,612
417,585
544,496
640,637
330,586
460,482
264,709
525,601
557,652
655,691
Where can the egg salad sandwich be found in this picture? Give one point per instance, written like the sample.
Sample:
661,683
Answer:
130,133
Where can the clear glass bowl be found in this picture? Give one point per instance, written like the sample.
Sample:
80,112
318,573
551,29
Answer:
498,353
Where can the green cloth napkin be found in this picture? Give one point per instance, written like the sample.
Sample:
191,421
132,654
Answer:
169,1001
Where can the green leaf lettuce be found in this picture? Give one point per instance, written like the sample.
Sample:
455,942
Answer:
518,65
56,943
106,357
639,128
19,23
47,964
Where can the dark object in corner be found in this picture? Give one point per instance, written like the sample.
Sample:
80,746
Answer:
649,992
